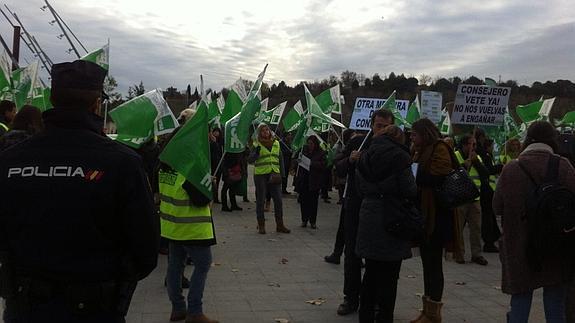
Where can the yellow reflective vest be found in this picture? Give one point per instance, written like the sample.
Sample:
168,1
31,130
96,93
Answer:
473,173
269,160
180,220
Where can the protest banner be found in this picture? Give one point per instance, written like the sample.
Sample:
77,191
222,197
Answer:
431,103
364,107
480,105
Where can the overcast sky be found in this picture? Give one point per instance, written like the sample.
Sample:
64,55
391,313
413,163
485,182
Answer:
170,43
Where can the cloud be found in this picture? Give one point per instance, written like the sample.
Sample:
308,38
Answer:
172,44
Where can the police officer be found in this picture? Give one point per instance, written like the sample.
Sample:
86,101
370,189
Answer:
77,222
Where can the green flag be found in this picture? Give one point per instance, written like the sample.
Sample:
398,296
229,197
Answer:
315,110
188,152
490,82
276,116
303,131
143,117
330,100
23,83
237,129
213,112
529,112
293,117
413,112
41,98
232,106
445,127
569,118
100,56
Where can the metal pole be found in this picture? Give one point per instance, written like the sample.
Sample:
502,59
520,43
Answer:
62,28
16,47
71,32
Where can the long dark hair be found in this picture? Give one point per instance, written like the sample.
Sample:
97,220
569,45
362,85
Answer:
29,118
427,130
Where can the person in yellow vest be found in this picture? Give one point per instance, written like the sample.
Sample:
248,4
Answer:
186,221
471,212
511,151
267,159
7,114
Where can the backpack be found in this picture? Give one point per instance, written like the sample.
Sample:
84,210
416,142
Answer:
550,216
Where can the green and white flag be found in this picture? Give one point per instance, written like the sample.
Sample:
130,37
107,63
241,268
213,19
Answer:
293,117
237,129
41,98
277,113
330,100
316,112
100,56
446,125
23,83
391,105
569,118
213,112
232,106
413,112
240,89
5,73
141,118
272,116
303,131
529,112
188,152
221,103
546,108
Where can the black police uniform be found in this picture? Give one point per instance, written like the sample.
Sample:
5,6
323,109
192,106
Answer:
77,226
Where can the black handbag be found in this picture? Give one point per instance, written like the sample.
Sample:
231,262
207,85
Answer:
458,188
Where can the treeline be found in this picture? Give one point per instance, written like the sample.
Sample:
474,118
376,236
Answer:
355,85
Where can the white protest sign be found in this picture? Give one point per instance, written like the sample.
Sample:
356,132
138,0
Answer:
364,107
431,103
480,105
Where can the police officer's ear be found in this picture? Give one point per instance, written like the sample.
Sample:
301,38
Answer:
97,107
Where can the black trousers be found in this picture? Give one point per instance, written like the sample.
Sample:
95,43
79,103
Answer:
308,206
352,264
227,191
379,287
490,231
432,260
340,236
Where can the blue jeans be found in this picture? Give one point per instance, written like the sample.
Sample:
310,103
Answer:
202,258
553,302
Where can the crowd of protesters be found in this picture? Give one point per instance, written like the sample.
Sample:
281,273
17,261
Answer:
382,178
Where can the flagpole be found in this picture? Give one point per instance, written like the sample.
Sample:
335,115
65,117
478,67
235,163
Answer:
219,164
105,112
364,140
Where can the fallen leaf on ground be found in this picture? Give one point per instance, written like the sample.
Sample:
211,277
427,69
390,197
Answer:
214,264
317,301
272,240
497,287
284,261
281,320
460,283
235,270
274,284
410,276
419,295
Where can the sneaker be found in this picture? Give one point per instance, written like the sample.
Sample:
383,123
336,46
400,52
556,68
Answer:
347,308
332,259
480,260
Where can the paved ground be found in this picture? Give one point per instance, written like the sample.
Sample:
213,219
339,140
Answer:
261,278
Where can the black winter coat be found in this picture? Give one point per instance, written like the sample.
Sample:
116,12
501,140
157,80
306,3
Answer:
76,206
385,180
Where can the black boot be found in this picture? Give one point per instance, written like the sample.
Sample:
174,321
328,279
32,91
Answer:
347,307
332,259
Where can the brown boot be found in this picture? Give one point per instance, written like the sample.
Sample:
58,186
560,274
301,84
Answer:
261,226
200,318
431,311
280,225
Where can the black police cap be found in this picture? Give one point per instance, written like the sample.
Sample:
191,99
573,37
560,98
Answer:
78,75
